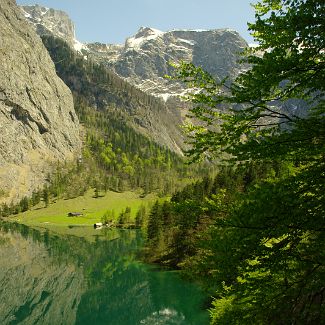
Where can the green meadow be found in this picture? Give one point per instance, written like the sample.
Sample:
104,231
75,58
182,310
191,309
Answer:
92,209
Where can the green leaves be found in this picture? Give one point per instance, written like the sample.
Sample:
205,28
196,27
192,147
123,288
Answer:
292,66
264,253
272,253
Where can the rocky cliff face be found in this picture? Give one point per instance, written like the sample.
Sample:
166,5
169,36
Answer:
48,21
38,124
144,58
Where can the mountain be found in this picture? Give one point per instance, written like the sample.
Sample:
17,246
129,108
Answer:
113,114
143,61
38,124
48,21
104,90
144,58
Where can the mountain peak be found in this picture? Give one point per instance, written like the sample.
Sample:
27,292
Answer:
50,21
144,34
147,32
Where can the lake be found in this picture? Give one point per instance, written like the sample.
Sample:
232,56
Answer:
50,278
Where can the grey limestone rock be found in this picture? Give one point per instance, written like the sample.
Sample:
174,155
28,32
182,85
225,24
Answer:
144,58
38,124
48,21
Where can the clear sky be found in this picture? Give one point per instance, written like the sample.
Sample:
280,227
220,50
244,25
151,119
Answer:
112,21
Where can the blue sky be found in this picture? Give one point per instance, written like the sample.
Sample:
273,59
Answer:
112,21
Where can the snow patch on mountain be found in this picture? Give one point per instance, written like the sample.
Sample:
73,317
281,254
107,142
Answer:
190,42
165,96
78,46
143,35
190,30
50,21
44,10
26,14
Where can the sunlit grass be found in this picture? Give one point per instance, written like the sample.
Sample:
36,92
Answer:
91,208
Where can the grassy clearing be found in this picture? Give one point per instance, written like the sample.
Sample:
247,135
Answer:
92,208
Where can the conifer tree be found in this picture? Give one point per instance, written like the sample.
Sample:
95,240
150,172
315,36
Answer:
154,223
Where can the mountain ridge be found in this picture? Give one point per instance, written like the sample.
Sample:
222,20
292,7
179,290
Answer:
143,61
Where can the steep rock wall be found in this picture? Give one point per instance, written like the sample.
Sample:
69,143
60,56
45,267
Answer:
38,124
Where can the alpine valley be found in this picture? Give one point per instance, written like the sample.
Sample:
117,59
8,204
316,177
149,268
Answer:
177,178
133,87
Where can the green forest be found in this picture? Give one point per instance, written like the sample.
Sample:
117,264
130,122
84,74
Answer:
254,235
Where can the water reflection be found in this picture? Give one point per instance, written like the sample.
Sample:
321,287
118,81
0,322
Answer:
56,279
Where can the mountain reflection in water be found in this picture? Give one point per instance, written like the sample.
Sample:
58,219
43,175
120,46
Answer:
53,279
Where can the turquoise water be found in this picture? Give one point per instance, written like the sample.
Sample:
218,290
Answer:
46,278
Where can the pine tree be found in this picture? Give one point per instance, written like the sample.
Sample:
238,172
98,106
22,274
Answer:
154,223
140,216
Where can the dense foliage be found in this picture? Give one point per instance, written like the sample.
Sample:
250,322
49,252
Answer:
259,243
